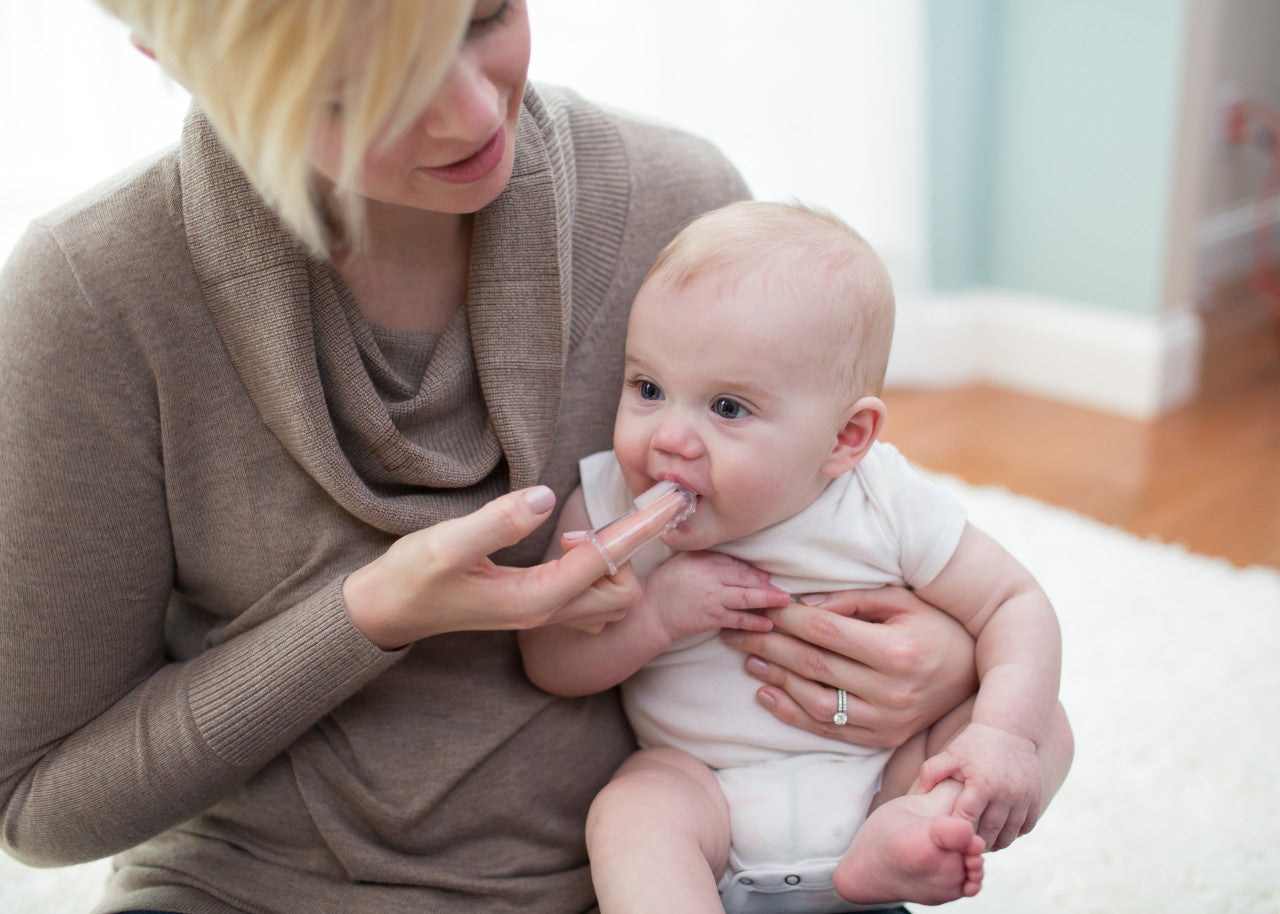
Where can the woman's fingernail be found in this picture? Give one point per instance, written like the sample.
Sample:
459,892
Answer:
813,599
574,535
766,699
540,498
756,666
731,636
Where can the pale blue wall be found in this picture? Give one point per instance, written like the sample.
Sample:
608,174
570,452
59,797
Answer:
1052,141
961,104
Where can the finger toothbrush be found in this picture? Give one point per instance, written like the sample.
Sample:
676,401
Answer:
657,510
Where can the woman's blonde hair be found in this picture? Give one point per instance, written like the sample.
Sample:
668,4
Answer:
267,73
816,258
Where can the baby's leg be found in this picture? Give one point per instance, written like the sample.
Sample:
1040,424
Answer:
911,848
658,836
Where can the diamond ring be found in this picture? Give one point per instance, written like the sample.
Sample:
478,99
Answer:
840,718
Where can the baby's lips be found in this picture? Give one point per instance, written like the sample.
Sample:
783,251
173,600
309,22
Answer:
657,510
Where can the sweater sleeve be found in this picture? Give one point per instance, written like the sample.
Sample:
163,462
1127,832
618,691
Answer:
104,739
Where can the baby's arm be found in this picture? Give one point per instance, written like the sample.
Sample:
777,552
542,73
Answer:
689,594
1019,659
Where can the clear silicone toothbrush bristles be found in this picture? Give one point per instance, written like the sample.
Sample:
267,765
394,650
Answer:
658,509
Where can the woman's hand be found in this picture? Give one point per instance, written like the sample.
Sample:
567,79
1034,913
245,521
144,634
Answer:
903,663
440,579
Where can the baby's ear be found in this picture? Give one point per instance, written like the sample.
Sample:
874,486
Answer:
862,426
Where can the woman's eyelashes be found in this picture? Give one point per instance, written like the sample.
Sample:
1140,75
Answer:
491,21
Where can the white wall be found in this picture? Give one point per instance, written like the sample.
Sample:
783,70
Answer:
78,104
816,99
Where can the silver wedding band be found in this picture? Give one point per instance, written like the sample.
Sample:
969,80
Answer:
840,718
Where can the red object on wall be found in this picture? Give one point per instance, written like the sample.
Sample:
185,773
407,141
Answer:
1265,120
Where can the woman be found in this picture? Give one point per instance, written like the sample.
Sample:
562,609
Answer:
285,414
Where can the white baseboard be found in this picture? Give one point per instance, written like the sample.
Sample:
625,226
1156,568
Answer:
1132,364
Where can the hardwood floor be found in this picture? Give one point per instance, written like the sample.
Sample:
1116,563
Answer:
1206,475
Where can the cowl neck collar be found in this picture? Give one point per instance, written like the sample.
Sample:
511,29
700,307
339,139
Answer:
260,285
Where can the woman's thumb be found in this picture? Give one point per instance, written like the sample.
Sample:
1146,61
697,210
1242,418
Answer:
506,520
539,499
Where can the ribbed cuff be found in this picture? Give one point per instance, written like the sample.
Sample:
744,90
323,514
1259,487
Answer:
251,697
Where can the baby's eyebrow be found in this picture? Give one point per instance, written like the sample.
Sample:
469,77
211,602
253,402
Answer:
747,389
631,363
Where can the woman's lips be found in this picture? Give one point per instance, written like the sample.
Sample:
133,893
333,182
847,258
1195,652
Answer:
475,166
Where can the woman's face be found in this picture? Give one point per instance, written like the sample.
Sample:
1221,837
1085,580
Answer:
456,156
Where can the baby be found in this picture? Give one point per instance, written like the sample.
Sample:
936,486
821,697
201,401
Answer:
755,355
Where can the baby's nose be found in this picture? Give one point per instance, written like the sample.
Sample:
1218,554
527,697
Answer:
676,435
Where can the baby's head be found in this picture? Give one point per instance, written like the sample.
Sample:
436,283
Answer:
755,356
821,277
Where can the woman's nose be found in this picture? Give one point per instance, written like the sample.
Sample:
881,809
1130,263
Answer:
467,106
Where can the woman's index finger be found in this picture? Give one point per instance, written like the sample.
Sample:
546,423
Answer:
827,627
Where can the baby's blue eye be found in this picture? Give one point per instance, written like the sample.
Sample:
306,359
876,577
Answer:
728,409
649,391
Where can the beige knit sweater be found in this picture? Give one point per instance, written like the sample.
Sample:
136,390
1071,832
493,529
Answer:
193,454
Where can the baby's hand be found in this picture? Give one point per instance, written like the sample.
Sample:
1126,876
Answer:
1003,783
696,592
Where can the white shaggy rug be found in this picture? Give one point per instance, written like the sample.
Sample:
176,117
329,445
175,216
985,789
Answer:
1172,681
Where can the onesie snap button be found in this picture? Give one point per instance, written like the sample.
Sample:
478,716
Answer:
792,879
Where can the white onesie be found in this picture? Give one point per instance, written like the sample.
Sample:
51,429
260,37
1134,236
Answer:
795,798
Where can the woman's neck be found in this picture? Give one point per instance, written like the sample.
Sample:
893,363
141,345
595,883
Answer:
411,272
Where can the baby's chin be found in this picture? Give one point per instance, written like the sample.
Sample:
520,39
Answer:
686,539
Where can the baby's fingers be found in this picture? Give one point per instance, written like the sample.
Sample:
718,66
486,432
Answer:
741,586
977,807
937,769
996,820
746,621
1001,832
757,598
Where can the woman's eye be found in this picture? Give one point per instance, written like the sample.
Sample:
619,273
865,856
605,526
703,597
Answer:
648,390
492,20
728,409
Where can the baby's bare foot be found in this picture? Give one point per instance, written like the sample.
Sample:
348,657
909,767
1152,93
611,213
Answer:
899,855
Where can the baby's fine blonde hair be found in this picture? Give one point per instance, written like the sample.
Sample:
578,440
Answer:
816,259
268,72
